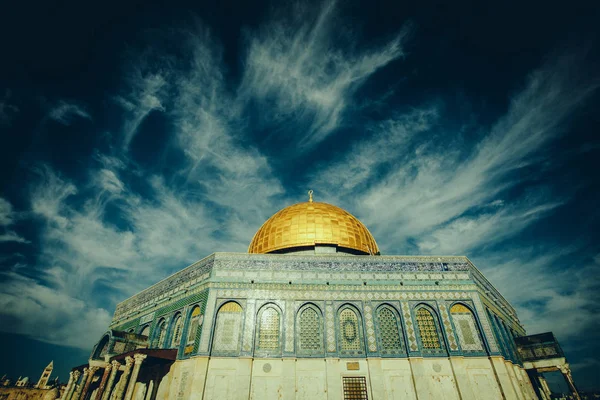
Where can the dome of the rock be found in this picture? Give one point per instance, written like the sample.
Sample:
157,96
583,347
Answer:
312,224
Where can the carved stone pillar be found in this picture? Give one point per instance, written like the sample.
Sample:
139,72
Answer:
76,376
102,385
111,380
120,389
68,387
77,393
88,382
566,371
139,358
545,388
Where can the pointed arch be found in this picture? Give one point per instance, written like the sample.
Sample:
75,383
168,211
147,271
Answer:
145,331
268,336
228,329
160,334
177,329
196,318
428,329
309,330
350,335
466,327
391,338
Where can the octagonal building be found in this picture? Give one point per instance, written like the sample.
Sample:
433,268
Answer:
312,311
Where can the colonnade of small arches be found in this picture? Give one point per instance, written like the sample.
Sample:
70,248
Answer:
311,330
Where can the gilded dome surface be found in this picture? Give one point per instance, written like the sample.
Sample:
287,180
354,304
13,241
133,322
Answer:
309,224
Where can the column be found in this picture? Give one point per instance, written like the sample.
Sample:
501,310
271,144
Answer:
68,387
91,374
566,371
107,370
545,388
111,380
76,375
123,382
77,393
139,358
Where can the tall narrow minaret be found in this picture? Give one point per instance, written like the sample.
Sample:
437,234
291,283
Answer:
43,382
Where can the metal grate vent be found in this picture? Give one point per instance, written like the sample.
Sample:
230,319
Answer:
355,388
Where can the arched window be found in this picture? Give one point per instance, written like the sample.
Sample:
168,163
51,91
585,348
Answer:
427,329
159,340
228,329
389,334
195,323
466,328
145,331
177,330
349,332
269,329
310,330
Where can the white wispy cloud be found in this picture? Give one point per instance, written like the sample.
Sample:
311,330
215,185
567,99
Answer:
300,69
416,187
46,314
551,288
7,218
146,93
65,112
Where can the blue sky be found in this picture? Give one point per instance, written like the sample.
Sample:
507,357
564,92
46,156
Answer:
138,138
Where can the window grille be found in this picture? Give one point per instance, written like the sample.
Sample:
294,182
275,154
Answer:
427,330
349,330
268,335
388,329
310,336
355,388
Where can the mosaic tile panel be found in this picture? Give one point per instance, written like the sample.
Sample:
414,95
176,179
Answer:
371,341
289,326
249,326
410,330
448,327
390,338
349,336
269,329
427,330
228,328
330,328
208,321
467,332
485,324
466,328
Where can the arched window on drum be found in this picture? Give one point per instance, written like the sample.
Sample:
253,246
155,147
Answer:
390,336
177,331
430,339
269,330
466,328
145,331
196,319
161,333
350,338
309,331
228,329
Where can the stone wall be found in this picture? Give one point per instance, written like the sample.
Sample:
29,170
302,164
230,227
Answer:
14,393
475,378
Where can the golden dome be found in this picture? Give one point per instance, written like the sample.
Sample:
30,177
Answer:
309,224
